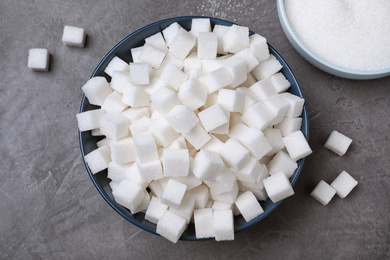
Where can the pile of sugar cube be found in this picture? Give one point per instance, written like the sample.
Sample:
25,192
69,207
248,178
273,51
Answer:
39,58
344,182
198,128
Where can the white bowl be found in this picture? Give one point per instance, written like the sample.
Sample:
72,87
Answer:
319,62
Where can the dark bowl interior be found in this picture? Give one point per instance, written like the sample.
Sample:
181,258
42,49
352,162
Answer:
88,142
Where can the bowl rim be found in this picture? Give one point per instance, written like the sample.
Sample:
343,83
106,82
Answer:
118,208
318,61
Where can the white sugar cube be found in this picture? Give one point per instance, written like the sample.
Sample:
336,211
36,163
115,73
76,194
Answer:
171,226
186,208
123,150
151,55
214,144
259,47
231,100
213,117
150,171
259,193
201,195
164,99
128,194
38,59
192,94
176,162
234,154
136,113
145,145
279,82
338,143
216,79
162,132
155,210
226,197
323,192
220,31
140,126
344,184
171,59
206,165
297,145
275,139
157,40
156,188
217,205
116,64
89,120
133,175
173,76
203,220
248,206
263,89
113,103
223,225
117,172
224,182
250,80
118,80
200,25
182,119
197,137
211,100
278,187
135,52
208,65
96,89
192,62
98,159
154,85
250,171
236,39
182,44
114,125
258,115
278,106
282,162
223,129
73,36
295,104
207,45
289,125
173,193
238,70
170,32
143,206
190,180
139,73
250,59
267,68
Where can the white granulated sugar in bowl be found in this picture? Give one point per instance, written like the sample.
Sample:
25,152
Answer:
352,34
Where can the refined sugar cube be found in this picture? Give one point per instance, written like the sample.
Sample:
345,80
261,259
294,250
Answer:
223,225
250,59
89,120
140,126
190,180
164,99
201,195
258,115
267,68
250,171
136,113
217,205
248,206
133,175
338,143
116,64
156,188
173,76
73,36
192,62
197,137
295,104
211,100
182,44
162,132
259,47
211,65
226,197
182,119
135,52
186,208
171,226
235,39
206,165
344,184
224,182
38,59
128,194
213,117
143,206
275,139
118,80
123,150
157,40
200,25
139,73
117,172
170,32
250,80
203,220
145,145
220,31
238,70
98,159
280,83
192,94
113,103
263,89
216,79
278,187
114,125
151,55
282,162
297,145
96,89
207,45
173,193
214,144
234,154
231,100
149,171
155,85
278,106
171,59
289,125
223,129
323,192
176,162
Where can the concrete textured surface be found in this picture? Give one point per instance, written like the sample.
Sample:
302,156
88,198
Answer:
50,209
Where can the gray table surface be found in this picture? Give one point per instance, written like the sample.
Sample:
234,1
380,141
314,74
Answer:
49,208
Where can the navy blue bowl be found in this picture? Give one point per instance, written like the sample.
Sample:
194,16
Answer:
88,142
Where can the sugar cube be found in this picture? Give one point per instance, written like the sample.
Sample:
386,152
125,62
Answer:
278,187
162,132
282,162
220,31
98,159
96,89
263,89
139,73
258,115
267,68
116,64
278,106
234,154
192,94
200,25
236,38
213,117
114,125
149,171
197,137
226,197
259,47
289,125
170,32
117,172
223,225
201,195
89,120
279,82
171,226
136,113
207,45
157,40
185,209
151,55
297,145
206,165
164,99
248,206
231,100
155,210
338,143
145,145
38,59
323,192
73,36
128,194
250,59
203,220
216,79
173,193
173,76
123,150
113,103
182,119
344,184
176,162
238,70
182,44
250,171
118,80
295,104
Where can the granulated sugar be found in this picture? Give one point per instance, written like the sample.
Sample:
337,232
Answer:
354,34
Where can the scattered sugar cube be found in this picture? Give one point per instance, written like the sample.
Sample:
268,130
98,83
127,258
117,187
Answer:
344,184
197,137
176,162
113,103
96,89
282,162
139,73
206,165
173,193
223,225
216,79
38,59
157,40
114,125
128,194
73,36
207,45
213,117
182,44
182,119
89,120
248,206
151,55
149,171
192,94
297,145
170,32
203,220
145,145
116,64
323,192
278,187
123,150
200,25
236,38
119,79
155,210
267,68
259,47
338,143
98,159
234,154
171,226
